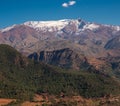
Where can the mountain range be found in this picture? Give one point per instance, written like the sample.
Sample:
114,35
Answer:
28,36
68,43
37,35
66,57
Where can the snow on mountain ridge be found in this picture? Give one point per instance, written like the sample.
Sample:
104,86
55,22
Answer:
58,25
8,28
49,25
91,26
117,28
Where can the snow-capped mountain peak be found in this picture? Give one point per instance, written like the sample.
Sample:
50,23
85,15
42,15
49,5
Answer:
48,25
58,25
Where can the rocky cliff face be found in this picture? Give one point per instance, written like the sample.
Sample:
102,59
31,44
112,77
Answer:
66,58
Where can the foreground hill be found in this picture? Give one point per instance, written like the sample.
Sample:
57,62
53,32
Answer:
21,78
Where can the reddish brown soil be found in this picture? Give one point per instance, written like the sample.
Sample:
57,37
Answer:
5,101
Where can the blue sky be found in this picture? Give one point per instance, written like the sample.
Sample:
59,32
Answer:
19,11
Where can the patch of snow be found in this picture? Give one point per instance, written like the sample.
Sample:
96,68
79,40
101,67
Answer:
117,28
91,26
8,28
47,25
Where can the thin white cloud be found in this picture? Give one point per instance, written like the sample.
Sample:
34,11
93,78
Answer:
70,3
65,5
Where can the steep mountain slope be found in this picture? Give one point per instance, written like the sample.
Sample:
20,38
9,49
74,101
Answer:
90,37
65,58
114,43
21,78
114,63
92,42
70,59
